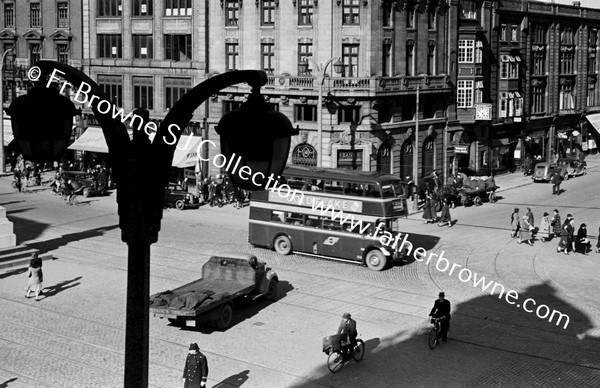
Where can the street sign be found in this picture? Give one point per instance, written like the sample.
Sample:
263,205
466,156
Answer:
461,149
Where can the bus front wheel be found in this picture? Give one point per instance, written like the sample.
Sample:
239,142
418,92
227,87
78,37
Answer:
376,260
283,245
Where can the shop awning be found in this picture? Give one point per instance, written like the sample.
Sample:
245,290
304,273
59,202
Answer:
92,140
8,133
187,156
595,121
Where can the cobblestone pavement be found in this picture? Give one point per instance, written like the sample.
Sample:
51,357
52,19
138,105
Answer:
74,337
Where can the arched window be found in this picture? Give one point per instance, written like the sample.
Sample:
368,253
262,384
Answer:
428,162
406,159
384,159
304,155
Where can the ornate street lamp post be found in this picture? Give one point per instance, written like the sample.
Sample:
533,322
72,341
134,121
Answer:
338,67
142,163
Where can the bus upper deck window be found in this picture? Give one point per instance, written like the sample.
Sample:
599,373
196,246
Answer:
354,189
333,187
296,183
372,191
388,191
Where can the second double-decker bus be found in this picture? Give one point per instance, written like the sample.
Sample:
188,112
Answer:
333,213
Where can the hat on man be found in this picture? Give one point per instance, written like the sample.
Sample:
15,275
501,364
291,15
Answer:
583,225
194,346
556,210
442,294
569,216
346,316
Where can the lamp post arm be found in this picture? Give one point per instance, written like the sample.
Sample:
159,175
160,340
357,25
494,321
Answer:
181,113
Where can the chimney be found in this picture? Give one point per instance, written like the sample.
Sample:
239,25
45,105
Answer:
577,3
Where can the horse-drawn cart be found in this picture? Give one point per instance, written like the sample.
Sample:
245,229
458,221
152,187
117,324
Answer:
476,189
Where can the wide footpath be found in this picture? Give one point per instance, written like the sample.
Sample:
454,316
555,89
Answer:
74,337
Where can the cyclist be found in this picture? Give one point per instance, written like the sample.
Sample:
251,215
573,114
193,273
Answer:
441,309
348,329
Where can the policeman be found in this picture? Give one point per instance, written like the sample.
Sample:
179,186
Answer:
195,371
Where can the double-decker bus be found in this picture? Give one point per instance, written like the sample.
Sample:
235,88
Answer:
332,213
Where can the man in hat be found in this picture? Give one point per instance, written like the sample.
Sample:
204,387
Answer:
441,309
347,328
195,370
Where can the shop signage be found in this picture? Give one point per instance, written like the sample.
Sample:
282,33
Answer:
592,144
461,149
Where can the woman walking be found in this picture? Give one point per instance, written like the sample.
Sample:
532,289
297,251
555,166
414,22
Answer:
525,232
427,212
555,224
566,237
445,216
515,223
582,244
545,230
36,277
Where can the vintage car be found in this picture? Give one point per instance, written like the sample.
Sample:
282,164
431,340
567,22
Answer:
177,197
543,172
573,166
83,183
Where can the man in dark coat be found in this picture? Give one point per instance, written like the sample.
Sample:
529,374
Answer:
556,180
556,223
348,328
441,309
195,370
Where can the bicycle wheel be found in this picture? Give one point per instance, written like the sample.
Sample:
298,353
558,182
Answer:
335,362
433,338
359,350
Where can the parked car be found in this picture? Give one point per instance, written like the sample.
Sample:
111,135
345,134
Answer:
573,166
177,197
544,171
82,182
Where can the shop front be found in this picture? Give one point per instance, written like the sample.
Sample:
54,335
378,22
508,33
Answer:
591,130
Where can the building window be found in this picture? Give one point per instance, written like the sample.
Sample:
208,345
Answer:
503,32
509,66
539,62
479,52
510,104
386,69
175,88
431,66
62,53
267,57
307,113
231,54
178,47
468,9
592,50
305,12
539,34
10,59
466,50
513,34
267,12
232,8
142,7
304,155
349,114
231,106
304,52
410,18
591,92
566,97
567,59
432,20
142,46
62,14
178,7
384,159
9,15
478,92
109,46
351,12
34,15
350,159
112,86
538,98
387,14
35,52
143,92
410,56
109,8
464,94
350,59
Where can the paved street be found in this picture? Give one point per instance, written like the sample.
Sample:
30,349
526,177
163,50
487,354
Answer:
74,337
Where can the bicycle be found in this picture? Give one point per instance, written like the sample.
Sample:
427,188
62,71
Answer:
335,350
435,333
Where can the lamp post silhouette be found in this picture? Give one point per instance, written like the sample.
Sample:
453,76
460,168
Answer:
143,162
338,67
2,156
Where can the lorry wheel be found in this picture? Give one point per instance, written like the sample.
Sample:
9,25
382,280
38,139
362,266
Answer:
179,204
283,245
272,292
86,192
376,260
225,317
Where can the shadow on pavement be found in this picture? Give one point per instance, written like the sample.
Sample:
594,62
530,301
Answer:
60,287
11,202
55,243
5,384
233,381
13,272
425,241
491,343
26,229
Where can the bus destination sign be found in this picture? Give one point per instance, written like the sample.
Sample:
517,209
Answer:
302,199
